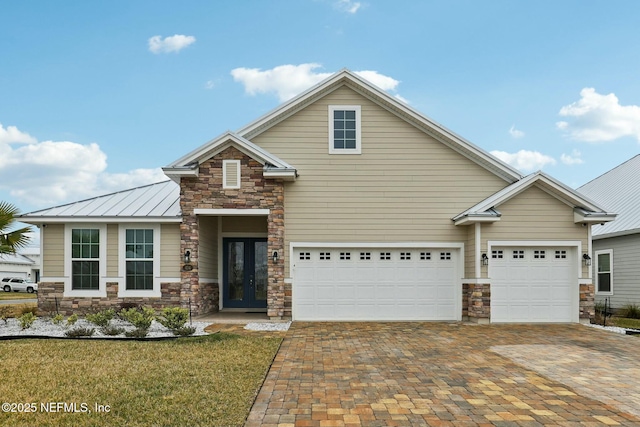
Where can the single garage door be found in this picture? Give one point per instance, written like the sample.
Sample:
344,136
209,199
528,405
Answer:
375,284
533,284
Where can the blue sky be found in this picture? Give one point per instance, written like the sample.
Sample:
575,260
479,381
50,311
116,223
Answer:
96,96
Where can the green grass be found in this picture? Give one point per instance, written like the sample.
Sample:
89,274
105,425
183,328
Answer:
198,381
624,322
17,295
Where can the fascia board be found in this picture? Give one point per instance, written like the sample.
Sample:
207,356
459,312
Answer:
99,219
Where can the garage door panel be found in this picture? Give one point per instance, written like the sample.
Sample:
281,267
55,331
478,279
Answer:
534,286
376,284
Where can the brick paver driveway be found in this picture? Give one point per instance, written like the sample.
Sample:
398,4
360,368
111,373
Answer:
442,374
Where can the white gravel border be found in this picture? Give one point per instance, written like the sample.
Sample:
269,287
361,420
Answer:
283,326
43,326
615,329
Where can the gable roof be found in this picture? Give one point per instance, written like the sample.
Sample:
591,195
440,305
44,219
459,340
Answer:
187,165
15,259
619,190
158,202
363,87
585,210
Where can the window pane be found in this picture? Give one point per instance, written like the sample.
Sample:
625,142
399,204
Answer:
350,115
604,262
338,143
84,275
75,236
604,282
351,134
338,114
350,125
338,124
139,236
139,275
350,143
148,236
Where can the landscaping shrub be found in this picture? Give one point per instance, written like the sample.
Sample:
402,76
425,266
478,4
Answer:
101,318
630,311
173,317
57,319
137,333
140,318
184,331
26,320
111,330
71,320
79,332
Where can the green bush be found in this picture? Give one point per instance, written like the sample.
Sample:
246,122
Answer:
71,320
140,318
57,319
137,333
173,317
26,320
101,318
630,311
184,331
111,330
79,332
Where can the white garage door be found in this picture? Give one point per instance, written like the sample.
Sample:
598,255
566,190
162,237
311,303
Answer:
375,284
533,284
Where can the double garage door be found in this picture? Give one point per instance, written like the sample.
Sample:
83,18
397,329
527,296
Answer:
528,284
376,284
533,285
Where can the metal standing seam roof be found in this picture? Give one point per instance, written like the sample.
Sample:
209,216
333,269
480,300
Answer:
15,259
159,200
618,190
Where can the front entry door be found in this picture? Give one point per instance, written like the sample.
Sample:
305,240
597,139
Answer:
245,273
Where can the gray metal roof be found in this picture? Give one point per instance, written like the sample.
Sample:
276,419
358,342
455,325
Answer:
160,201
619,191
15,259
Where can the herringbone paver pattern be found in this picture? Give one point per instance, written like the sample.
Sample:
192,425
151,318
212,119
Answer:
443,374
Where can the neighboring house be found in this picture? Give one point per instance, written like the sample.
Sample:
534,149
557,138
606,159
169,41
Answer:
341,204
24,264
616,245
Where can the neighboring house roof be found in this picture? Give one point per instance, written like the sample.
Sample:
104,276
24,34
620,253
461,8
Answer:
15,259
159,202
274,167
366,89
619,190
586,210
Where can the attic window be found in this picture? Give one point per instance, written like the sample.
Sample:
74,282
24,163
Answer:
344,129
231,174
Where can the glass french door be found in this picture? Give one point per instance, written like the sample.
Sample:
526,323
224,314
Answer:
244,273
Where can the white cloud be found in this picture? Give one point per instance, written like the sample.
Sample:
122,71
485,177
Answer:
572,159
169,44
599,118
525,160
515,132
287,81
11,134
53,172
348,6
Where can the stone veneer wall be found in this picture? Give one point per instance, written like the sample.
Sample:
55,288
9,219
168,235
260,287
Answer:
256,192
51,293
479,301
587,302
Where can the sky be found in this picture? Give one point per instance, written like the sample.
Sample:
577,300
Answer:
97,96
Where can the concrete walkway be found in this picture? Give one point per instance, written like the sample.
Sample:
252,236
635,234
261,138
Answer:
450,374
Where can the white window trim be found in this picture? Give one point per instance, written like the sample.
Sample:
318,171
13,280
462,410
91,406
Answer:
595,270
101,292
156,292
358,149
224,174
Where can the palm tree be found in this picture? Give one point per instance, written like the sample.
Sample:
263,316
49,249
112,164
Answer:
11,240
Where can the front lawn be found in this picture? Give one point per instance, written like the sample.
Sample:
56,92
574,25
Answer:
199,381
17,295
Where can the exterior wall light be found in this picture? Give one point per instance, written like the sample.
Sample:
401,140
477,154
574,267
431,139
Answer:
484,259
275,256
586,259
187,256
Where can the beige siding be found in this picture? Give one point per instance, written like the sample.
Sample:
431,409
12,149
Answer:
470,252
112,250
53,249
170,255
208,247
244,224
535,215
405,186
